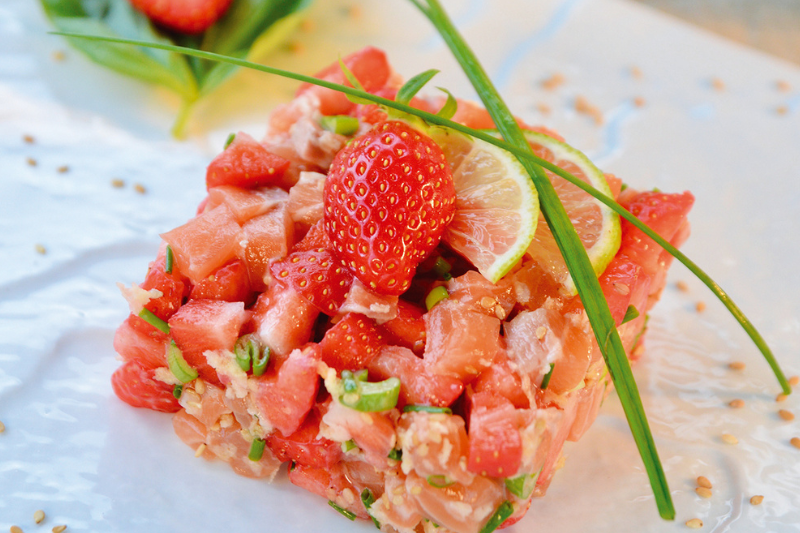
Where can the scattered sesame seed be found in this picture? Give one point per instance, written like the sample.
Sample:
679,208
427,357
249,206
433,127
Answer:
583,106
59,55
782,110
31,161
781,397
794,380
2,426
737,403
544,109
703,492
636,72
736,365
138,187
200,449
38,516
541,331
40,249
756,500
703,481
554,81
795,442
15,529
718,84
59,529
700,306
783,86
308,25
694,523
28,139
786,415
682,286
727,438
639,101
117,183
62,169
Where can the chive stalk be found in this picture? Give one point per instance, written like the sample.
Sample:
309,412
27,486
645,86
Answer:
546,378
178,365
630,314
367,498
169,260
339,124
177,391
369,397
247,350
500,515
522,486
426,409
256,449
350,515
436,295
149,317
439,481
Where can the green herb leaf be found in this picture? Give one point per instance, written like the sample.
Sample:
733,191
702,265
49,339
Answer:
256,449
368,498
630,314
500,515
178,365
350,515
169,260
439,481
340,124
148,316
546,378
410,89
450,106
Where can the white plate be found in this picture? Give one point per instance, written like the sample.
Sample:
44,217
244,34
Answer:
71,448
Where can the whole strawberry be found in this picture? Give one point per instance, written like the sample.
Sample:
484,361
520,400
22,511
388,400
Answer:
184,16
388,197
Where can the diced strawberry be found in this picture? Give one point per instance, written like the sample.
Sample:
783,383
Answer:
264,238
351,344
171,285
136,385
230,282
495,445
379,307
184,16
304,446
417,385
245,203
205,243
136,340
285,396
460,342
316,276
283,319
330,483
202,325
407,328
305,200
370,67
388,197
501,379
247,164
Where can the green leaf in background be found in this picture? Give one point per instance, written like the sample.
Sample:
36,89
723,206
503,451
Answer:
248,29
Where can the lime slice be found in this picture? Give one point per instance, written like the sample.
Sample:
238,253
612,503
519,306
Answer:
497,207
597,225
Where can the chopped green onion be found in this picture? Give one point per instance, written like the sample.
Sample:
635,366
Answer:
440,481
148,316
361,375
349,445
339,124
370,397
261,361
169,260
256,449
246,350
177,390
229,140
500,515
522,486
436,295
426,409
178,365
630,314
546,378
367,498
395,454
350,515
441,266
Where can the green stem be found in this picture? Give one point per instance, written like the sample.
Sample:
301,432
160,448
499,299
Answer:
181,121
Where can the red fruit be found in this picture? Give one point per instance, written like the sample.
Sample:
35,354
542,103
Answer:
247,164
495,445
136,340
229,282
407,328
351,344
171,286
304,447
316,276
137,386
417,385
184,16
388,197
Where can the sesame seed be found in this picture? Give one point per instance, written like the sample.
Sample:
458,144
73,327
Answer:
59,529
703,481
553,81
59,55
200,386
31,161
62,169
795,442
756,500
736,365
2,426
727,438
544,109
682,286
782,110
718,84
694,523
28,139
700,307
794,380
541,331
138,187
638,101
737,403
786,415
15,529
703,492
636,72
781,397
38,516
117,183
200,449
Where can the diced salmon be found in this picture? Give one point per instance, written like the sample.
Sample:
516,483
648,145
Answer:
372,432
360,299
501,379
136,340
304,446
245,203
264,238
435,444
305,201
482,295
417,385
330,483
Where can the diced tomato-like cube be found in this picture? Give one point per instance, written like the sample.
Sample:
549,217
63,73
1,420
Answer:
351,344
284,397
171,285
417,385
283,319
136,340
374,433
230,282
245,163
205,243
246,203
407,328
370,67
136,385
501,379
326,482
266,237
495,445
202,325
304,447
